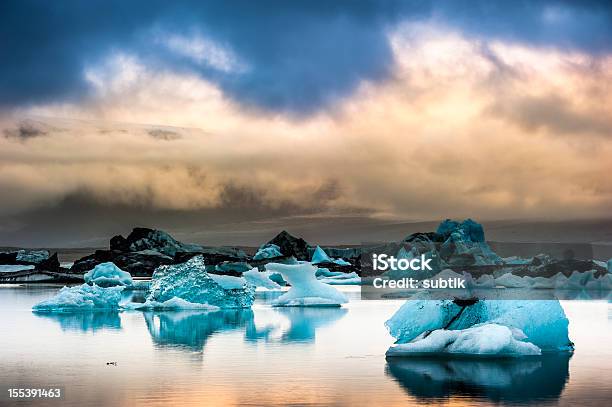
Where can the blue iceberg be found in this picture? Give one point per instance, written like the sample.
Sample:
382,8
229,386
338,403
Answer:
268,251
261,279
542,324
189,281
82,298
319,256
108,275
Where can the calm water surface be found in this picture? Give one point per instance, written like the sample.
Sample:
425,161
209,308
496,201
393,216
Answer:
271,356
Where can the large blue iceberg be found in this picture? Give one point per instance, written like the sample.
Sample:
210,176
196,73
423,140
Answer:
189,281
487,327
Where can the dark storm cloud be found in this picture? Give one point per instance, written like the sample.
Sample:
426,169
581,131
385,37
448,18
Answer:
300,55
165,135
24,131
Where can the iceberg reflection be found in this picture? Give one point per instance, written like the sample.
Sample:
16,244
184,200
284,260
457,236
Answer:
84,321
300,324
510,380
191,329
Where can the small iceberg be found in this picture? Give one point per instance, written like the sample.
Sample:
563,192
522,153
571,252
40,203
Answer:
82,298
261,279
306,290
319,256
342,279
108,275
268,251
542,324
190,281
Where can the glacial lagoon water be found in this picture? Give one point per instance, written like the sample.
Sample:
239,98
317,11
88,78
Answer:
275,356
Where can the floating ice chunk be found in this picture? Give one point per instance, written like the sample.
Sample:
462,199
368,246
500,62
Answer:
108,275
32,256
9,268
602,283
485,281
260,279
237,266
190,282
543,283
543,322
515,260
305,290
319,256
579,280
82,298
174,303
610,266
323,272
509,280
267,251
229,282
343,279
485,340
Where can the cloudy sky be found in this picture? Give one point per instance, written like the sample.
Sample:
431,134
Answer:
228,116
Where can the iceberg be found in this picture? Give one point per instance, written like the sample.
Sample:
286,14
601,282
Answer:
108,275
190,281
541,323
342,279
232,266
319,256
174,303
485,339
260,279
509,280
82,298
305,289
11,268
268,251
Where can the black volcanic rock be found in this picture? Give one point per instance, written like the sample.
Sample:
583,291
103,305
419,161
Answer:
50,264
141,264
86,263
291,246
8,257
119,243
150,239
146,249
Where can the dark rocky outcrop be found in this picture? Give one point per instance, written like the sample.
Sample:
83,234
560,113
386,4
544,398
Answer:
26,257
143,250
291,246
50,264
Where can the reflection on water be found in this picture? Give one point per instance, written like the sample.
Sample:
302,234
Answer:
316,356
191,329
509,380
84,321
305,322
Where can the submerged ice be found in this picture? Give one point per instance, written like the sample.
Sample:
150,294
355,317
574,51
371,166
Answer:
540,324
305,289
